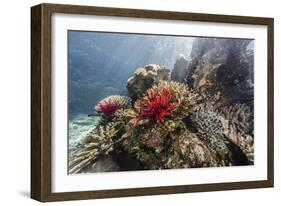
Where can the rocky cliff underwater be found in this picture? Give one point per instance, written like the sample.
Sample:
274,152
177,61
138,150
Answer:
198,114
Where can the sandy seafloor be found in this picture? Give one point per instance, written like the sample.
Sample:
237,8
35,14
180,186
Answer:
78,127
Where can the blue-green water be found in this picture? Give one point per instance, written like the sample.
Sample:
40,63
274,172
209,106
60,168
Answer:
99,65
78,127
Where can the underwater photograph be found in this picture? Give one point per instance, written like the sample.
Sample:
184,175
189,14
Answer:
153,102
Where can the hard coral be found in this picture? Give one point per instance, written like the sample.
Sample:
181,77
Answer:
210,130
97,143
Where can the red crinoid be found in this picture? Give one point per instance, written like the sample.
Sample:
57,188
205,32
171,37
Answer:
156,104
111,104
107,108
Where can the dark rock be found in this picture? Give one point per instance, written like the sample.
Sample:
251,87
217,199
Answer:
224,65
103,164
180,69
115,161
238,156
125,161
144,78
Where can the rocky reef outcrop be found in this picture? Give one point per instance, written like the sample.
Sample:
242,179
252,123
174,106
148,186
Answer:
144,78
179,72
238,126
224,65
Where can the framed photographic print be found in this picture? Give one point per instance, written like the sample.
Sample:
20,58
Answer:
130,102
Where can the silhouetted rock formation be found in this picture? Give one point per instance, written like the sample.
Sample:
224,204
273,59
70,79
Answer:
180,69
144,78
224,65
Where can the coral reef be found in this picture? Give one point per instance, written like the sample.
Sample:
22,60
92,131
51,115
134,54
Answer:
168,146
144,78
167,124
